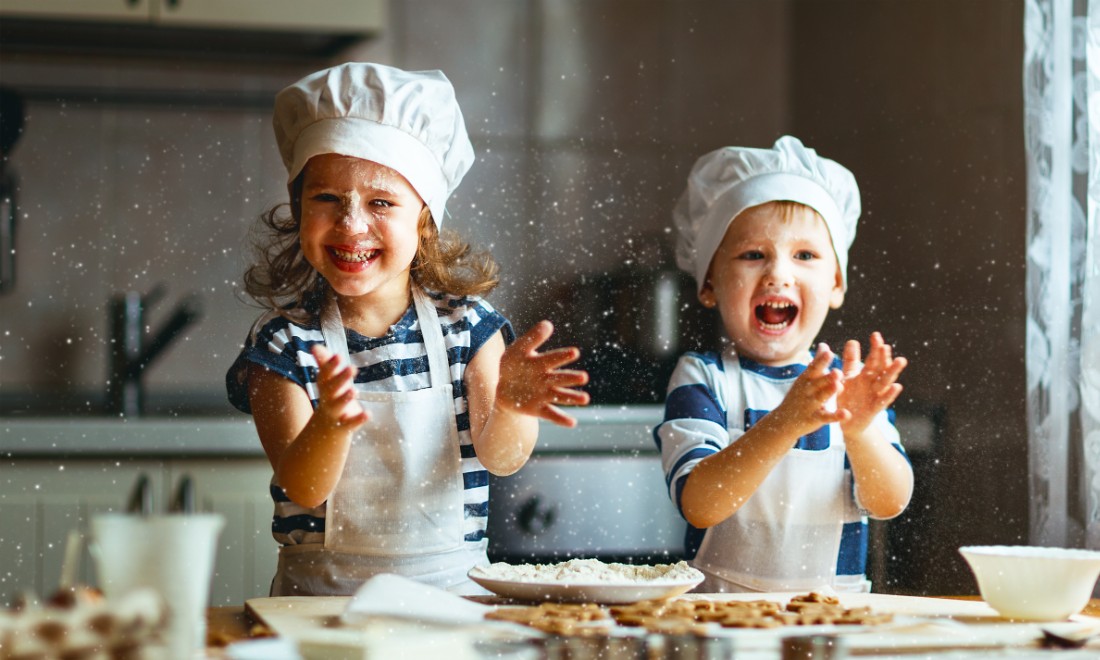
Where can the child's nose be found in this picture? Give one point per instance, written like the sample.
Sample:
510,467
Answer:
353,217
779,272
354,221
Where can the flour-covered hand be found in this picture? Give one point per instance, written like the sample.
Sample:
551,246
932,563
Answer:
336,402
805,408
534,383
869,387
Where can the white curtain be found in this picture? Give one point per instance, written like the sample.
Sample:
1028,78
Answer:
1062,129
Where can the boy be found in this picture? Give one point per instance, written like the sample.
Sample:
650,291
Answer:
773,454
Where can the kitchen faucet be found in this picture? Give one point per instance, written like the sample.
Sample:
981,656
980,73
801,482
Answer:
131,354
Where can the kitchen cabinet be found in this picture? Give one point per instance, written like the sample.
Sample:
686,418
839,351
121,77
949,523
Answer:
237,489
41,500
109,10
288,15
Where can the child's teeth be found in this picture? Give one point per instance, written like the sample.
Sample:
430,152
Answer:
354,256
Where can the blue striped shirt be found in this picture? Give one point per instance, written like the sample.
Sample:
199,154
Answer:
397,361
697,424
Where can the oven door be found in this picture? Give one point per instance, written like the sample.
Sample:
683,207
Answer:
607,506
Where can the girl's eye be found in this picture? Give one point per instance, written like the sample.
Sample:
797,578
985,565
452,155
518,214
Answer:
805,255
384,203
325,197
752,255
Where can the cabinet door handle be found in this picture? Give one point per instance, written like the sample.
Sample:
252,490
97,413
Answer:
141,497
184,501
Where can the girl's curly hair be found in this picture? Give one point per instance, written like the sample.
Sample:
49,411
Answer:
282,279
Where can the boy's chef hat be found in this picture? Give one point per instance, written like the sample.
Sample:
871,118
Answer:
408,121
725,182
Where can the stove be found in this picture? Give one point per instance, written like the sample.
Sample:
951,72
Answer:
594,491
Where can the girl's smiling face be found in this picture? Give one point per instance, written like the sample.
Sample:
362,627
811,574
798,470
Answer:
359,226
774,279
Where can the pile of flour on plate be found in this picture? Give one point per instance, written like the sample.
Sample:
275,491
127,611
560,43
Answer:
588,571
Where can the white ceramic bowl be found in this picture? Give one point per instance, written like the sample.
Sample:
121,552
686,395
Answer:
1034,583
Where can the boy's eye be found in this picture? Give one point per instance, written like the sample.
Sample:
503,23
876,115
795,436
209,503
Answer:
752,255
805,255
384,203
325,197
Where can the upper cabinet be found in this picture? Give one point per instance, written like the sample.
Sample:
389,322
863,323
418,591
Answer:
322,15
289,31
103,10
364,16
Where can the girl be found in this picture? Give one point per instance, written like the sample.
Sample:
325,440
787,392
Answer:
379,380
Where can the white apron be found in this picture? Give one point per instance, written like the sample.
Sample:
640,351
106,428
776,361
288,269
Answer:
398,507
786,537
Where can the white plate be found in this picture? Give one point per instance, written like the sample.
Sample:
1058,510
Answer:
566,592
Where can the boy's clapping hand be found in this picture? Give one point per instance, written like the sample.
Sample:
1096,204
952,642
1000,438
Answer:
533,384
805,405
871,387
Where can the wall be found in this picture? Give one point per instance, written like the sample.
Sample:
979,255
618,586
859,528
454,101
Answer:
586,116
131,175
923,100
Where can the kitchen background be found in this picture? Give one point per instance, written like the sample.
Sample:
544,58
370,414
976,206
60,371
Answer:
146,166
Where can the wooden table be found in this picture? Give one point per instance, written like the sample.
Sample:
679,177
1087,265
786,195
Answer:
229,624
225,625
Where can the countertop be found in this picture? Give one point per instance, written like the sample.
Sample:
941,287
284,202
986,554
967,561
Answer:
599,429
154,437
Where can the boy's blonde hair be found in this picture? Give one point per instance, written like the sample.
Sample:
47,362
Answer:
282,279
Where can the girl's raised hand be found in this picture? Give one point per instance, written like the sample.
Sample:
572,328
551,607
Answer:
336,402
804,407
871,387
533,383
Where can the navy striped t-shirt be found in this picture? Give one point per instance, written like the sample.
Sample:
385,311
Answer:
698,423
397,361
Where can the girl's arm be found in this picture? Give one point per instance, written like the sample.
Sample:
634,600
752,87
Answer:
722,482
884,479
509,389
306,447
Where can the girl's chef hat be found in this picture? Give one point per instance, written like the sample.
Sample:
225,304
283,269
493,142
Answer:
408,121
725,182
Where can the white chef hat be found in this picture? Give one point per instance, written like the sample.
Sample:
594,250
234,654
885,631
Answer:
725,182
408,121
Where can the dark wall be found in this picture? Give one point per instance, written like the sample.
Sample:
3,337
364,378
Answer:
922,99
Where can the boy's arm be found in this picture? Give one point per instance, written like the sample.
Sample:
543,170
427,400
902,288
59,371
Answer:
722,482
883,477
509,389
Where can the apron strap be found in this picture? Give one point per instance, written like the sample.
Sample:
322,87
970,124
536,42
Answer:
332,327
433,338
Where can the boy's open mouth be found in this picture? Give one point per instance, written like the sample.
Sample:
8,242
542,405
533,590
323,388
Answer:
352,256
776,314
